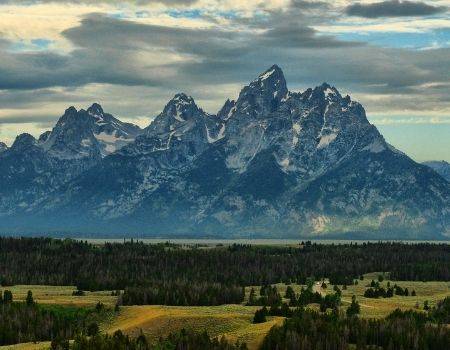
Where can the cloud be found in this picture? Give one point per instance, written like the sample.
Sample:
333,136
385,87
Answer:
135,2
145,54
132,67
393,8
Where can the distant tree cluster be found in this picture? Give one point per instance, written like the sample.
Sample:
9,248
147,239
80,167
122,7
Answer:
116,266
306,296
183,293
268,296
377,291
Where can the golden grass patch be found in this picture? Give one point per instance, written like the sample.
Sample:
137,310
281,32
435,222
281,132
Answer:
60,295
27,346
232,321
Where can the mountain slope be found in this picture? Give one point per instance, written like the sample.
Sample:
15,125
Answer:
271,163
441,167
31,169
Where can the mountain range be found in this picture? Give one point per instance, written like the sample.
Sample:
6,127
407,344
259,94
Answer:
271,163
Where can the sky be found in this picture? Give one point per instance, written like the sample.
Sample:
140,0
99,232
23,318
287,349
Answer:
132,56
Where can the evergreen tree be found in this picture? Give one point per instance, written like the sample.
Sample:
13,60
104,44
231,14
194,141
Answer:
7,297
260,315
354,308
29,299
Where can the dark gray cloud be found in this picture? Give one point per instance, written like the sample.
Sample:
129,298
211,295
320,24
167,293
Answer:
308,5
106,49
29,119
112,51
393,8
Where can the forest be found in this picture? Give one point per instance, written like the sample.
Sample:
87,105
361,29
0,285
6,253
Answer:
114,266
22,322
183,294
309,329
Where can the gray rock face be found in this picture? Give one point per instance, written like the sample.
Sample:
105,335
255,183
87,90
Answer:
273,163
32,169
88,134
441,167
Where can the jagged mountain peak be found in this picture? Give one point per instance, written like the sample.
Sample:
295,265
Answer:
87,133
271,80
70,110
264,94
23,141
271,162
3,147
181,107
44,136
95,109
227,109
273,73
325,92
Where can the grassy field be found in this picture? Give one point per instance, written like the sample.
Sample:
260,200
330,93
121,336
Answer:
60,295
425,291
232,321
381,307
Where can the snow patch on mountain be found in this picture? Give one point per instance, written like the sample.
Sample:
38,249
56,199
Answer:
375,147
325,140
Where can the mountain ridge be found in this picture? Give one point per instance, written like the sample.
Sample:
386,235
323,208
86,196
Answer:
272,163
441,167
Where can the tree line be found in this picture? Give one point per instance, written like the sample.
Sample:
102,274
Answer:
114,266
183,293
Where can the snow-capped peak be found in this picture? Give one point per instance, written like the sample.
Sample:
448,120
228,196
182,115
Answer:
263,94
87,133
182,99
95,110
329,92
272,71
181,107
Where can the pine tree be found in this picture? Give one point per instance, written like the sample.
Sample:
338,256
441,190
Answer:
29,299
354,308
7,297
260,315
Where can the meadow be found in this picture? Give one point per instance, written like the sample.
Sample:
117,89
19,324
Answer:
61,295
187,276
235,322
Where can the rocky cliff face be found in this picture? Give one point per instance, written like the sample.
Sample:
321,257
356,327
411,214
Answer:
32,169
271,163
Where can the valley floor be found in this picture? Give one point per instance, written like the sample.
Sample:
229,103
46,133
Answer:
232,321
